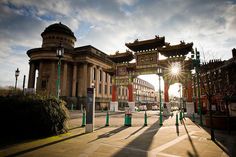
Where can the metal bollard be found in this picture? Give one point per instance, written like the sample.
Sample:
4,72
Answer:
145,119
107,119
180,115
193,117
83,119
125,120
128,121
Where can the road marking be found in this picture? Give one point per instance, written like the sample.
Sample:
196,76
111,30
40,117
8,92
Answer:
167,155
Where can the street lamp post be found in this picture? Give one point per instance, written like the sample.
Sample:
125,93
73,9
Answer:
180,105
17,73
196,65
60,53
159,72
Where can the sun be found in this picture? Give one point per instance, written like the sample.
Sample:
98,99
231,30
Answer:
175,69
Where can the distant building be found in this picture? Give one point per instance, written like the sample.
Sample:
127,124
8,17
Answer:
144,93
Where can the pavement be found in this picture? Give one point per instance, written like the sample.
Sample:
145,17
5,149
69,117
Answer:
188,139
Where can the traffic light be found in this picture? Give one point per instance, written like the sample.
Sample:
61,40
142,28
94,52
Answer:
192,54
197,55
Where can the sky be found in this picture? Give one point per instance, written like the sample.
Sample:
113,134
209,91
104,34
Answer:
109,24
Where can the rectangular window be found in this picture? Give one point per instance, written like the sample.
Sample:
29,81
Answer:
110,89
105,89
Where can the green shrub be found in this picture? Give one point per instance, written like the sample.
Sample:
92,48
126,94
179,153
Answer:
32,116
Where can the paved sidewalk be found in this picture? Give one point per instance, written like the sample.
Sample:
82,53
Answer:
187,139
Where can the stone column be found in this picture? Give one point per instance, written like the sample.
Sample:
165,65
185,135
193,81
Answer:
52,79
102,83
31,79
74,80
166,94
39,80
64,80
89,75
85,77
97,81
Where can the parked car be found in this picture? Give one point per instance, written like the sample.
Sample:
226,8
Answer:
154,107
142,107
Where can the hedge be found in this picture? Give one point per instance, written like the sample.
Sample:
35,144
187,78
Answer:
32,116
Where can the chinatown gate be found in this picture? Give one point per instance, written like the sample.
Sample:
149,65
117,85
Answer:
146,54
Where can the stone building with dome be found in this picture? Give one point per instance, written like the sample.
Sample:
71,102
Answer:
80,68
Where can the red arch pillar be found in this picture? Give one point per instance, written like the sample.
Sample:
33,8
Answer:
166,94
114,93
130,93
190,91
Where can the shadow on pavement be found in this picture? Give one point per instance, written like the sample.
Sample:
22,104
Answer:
140,145
133,133
191,142
45,145
223,140
110,133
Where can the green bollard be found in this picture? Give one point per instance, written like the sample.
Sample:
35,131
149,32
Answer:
125,120
107,119
83,119
128,120
193,117
177,121
145,119
129,117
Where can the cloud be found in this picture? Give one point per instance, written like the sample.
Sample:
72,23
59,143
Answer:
108,25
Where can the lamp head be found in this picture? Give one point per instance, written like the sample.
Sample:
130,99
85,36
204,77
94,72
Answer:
17,72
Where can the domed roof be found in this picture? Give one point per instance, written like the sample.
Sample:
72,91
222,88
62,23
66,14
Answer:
58,28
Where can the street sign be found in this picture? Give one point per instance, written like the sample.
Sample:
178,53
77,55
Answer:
90,109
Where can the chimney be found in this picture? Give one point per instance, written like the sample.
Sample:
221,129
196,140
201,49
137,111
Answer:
234,52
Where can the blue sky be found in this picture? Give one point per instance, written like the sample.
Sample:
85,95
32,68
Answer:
109,24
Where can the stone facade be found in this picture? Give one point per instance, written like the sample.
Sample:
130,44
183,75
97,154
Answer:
80,68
